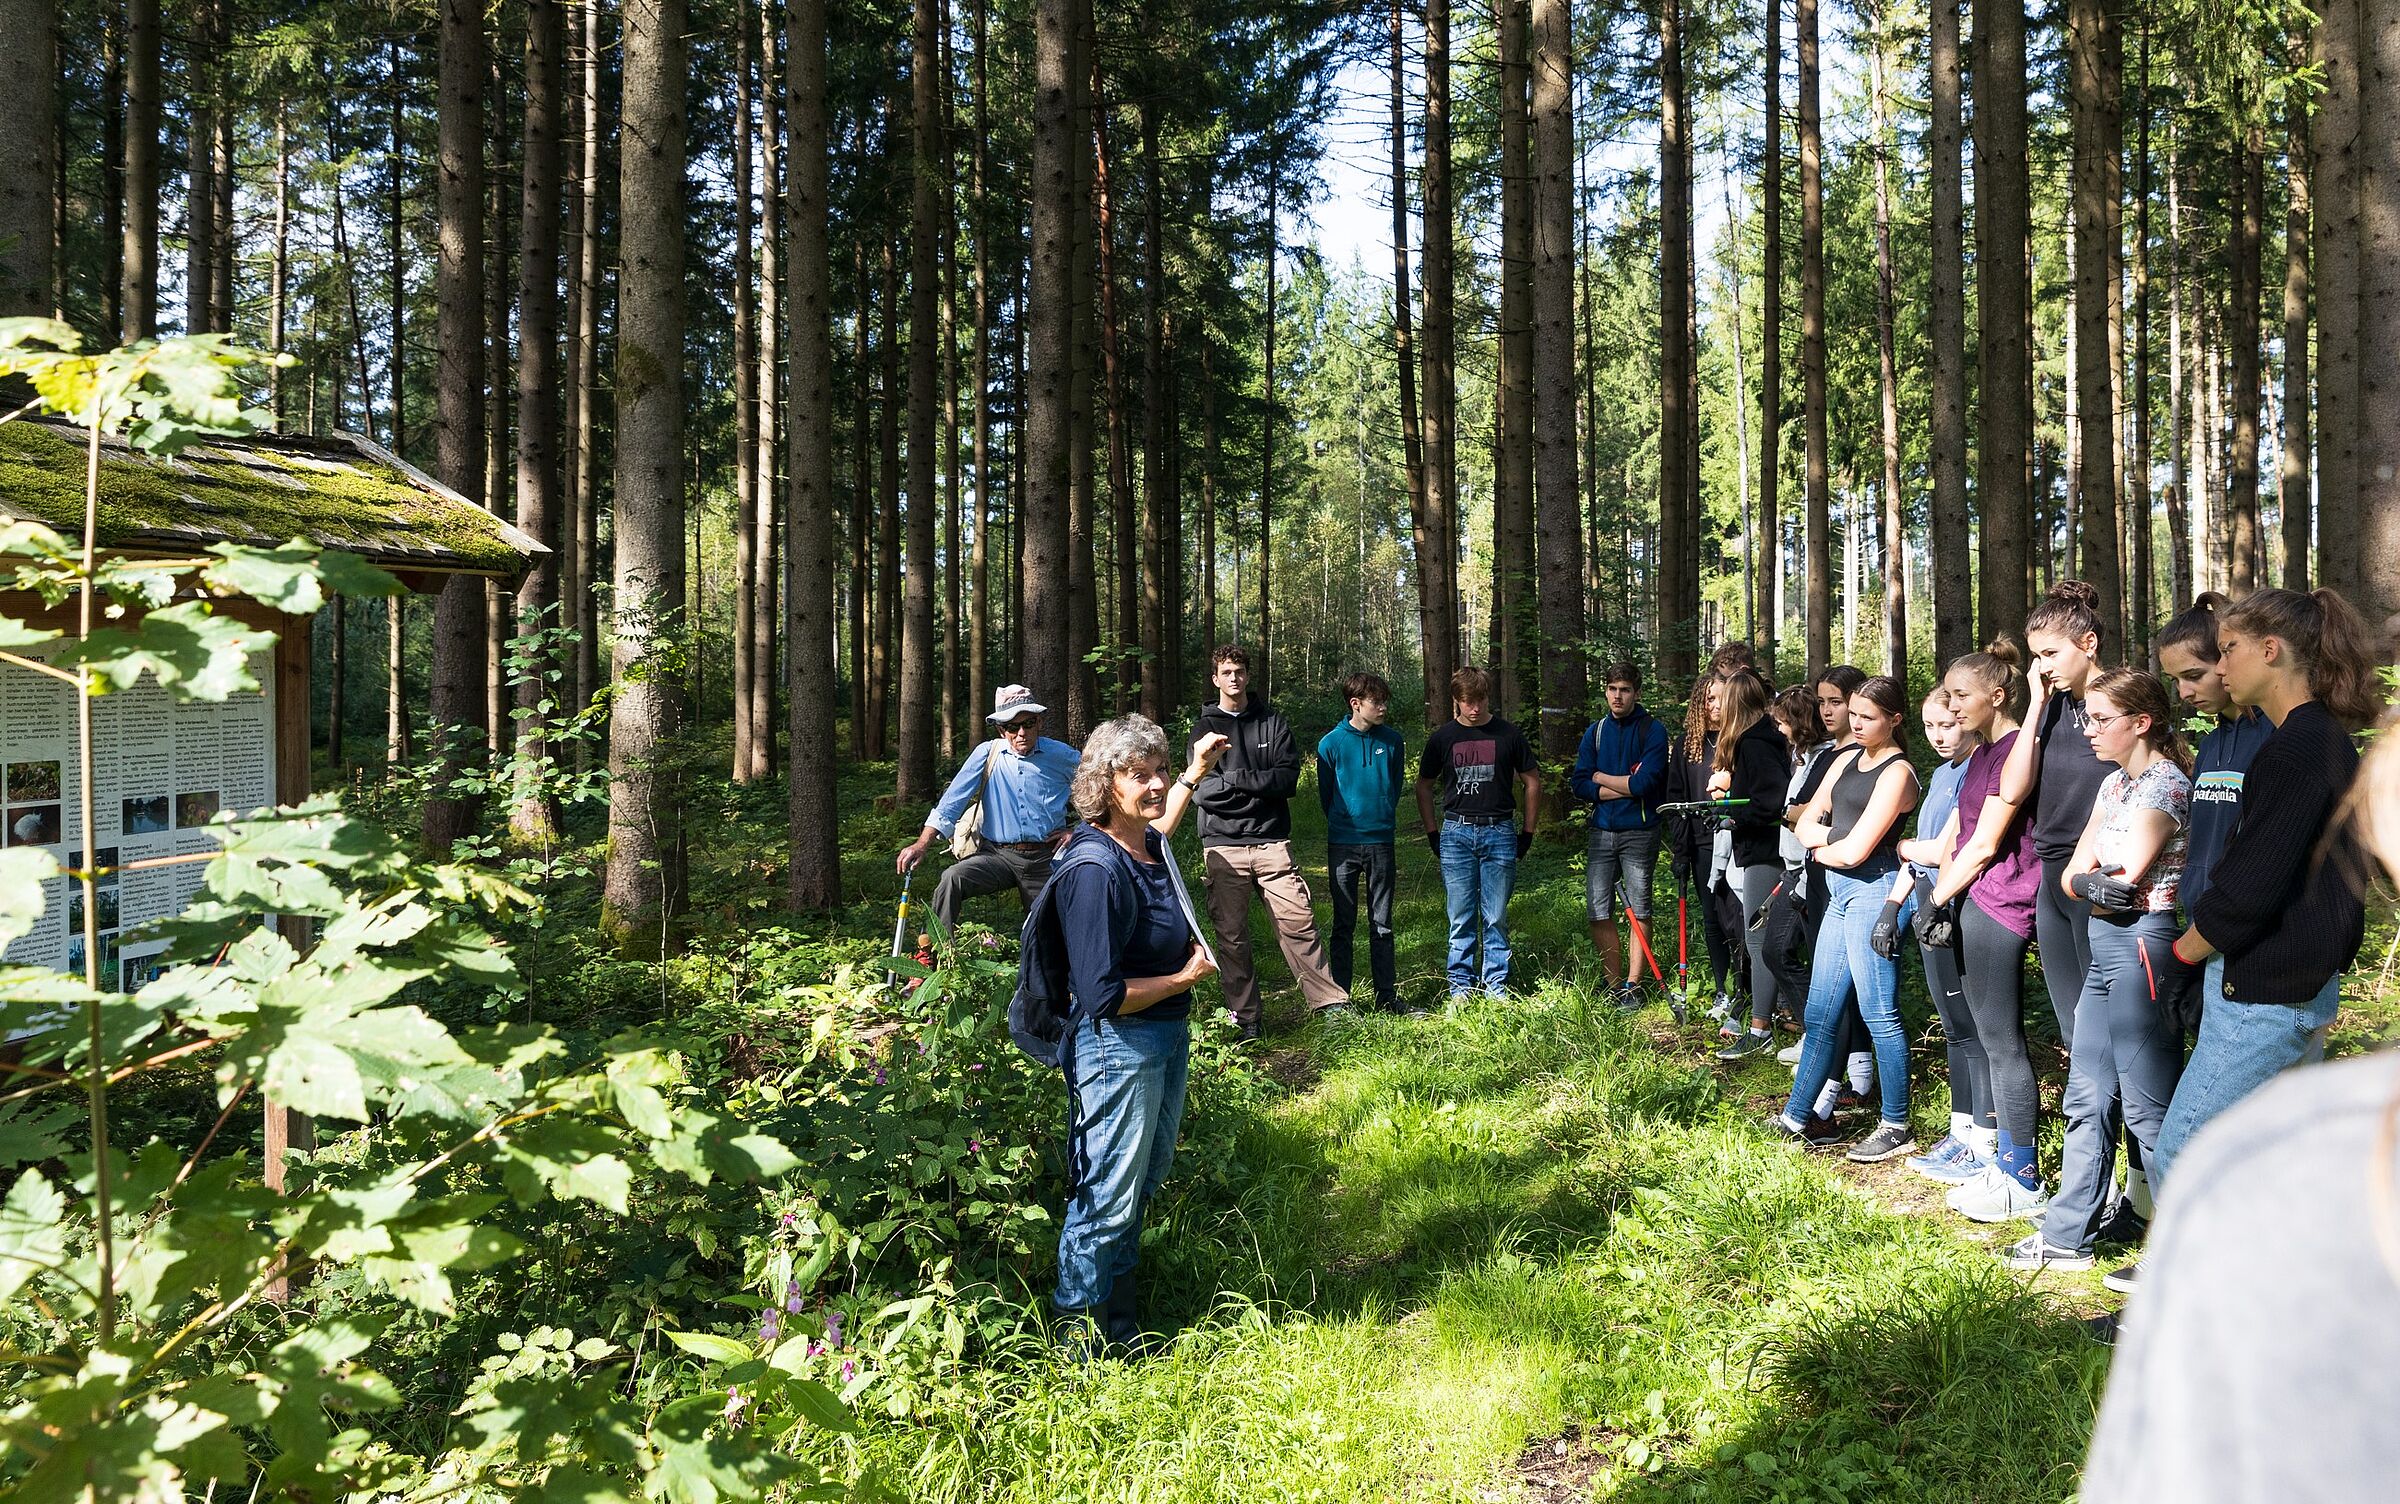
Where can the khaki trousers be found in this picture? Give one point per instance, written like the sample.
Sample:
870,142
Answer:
1234,873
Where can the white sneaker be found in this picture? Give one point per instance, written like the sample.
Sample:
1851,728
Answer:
1996,1196
1788,1055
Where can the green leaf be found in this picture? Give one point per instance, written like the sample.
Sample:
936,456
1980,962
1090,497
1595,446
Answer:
33,1131
32,1235
23,871
820,1404
711,1346
16,634
295,576
193,652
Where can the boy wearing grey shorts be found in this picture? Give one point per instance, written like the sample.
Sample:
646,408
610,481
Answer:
1620,770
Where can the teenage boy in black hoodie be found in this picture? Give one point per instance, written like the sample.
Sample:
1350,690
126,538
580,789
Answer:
1245,806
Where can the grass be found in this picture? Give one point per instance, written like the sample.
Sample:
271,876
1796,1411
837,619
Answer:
1440,1240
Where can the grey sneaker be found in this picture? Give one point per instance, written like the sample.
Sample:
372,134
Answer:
2124,1280
1997,1196
1747,1046
2030,1252
1888,1141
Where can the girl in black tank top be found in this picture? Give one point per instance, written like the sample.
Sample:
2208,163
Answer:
1854,827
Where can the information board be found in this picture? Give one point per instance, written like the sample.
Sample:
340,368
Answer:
163,769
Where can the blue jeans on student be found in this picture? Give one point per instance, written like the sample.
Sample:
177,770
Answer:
2242,1047
1125,1081
1479,871
2121,1073
1844,960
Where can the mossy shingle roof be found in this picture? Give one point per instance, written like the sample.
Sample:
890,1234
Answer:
340,492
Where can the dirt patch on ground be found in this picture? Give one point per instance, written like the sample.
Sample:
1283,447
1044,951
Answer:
1292,1068
1552,1470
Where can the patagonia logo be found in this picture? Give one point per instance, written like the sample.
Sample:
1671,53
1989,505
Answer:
2217,788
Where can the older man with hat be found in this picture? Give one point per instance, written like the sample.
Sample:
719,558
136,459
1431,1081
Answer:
1020,780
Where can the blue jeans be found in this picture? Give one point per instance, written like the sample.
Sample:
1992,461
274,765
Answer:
1844,961
2121,1073
1125,1080
2242,1047
1479,871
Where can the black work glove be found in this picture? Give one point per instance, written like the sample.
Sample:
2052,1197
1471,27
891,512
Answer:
1936,925
2102,890
1524,843
1884,939
1433,838
2175,985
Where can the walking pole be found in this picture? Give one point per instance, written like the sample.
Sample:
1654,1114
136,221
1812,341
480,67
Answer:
900,924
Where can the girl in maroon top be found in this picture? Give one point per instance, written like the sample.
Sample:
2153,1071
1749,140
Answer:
1985,896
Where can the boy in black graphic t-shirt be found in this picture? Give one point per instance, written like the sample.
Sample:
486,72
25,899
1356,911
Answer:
1475,763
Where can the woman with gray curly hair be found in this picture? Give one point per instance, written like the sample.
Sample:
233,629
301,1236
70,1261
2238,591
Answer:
1132,953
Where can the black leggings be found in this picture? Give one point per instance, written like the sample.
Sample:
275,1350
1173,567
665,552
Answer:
1993,960
2062,927
1776,973
1970,1076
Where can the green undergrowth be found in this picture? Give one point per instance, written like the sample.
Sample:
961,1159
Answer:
1493,1225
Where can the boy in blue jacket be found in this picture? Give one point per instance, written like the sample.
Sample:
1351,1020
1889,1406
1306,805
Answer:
1620,769
1359,775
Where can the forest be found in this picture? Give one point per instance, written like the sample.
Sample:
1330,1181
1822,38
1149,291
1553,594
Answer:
847,363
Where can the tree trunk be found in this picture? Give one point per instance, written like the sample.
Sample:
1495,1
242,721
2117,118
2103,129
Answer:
748,489
586,508
919,707
396,268
2141,513
1050,333
1208,496
953,555
1083,582
2335,202
1818,480
862,500
1894,523
538,472
2294,466
1440,387
979,630
2181,395
2003,309
2242,247
1124,528
458,690
1678,617
885,675
1556,496
1266,446
139,251
1767,549
644,885
29,145
279,273
200,178
2094,111
816,857
766,609
1156,466
1435,657
2378,506
1514,583
493,656
1949,523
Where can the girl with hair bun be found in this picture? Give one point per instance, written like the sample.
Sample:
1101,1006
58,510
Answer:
1953,1159
2128,1045
2283,916
1984,900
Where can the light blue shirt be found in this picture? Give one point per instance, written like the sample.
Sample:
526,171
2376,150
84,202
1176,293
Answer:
1026,797
1935,808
